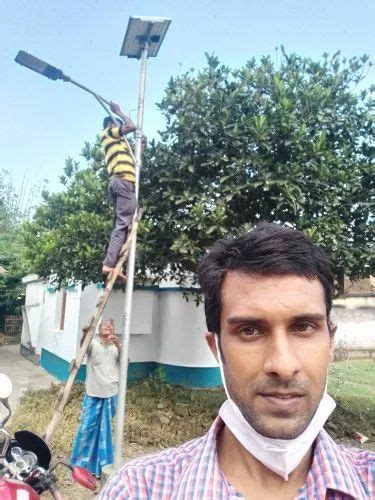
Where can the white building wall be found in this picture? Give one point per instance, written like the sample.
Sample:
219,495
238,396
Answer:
34,306
355,325
61,342
89,297
164,328
182,327
144,335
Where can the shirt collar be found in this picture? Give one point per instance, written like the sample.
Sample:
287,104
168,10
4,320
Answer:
333,468
330,467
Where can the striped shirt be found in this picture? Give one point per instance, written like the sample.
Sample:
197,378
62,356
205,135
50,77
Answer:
118,158
192,472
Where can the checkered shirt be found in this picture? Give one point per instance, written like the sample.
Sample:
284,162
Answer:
191,471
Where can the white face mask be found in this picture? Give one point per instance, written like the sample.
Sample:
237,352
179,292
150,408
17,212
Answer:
282,456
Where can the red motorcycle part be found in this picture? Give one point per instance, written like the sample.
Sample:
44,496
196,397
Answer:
83,477
10,489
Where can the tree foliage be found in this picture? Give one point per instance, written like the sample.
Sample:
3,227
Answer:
68,235
12,212
290,144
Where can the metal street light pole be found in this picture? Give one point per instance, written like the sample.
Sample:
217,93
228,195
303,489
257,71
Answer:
143,38
124,356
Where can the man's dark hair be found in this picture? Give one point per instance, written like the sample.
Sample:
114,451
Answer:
267,249
108,120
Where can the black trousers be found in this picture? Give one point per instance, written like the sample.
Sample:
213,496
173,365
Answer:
121,194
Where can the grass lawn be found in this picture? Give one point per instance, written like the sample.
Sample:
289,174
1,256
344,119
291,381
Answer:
159,415
352,385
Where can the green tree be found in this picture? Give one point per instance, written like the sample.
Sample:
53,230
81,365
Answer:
13,267
289,144
68,235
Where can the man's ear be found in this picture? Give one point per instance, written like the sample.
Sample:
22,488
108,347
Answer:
210,339
332,332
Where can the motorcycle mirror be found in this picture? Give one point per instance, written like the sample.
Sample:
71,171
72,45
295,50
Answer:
5,386
83,477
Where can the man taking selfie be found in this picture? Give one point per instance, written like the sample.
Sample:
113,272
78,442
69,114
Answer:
268,297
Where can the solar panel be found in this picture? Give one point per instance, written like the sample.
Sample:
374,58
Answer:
140,30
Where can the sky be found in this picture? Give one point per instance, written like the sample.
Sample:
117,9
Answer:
45,121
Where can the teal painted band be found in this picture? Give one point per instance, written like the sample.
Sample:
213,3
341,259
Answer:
175,375
58,367
141,370
191,376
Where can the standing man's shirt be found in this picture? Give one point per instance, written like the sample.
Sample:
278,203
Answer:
192,471
118,158
102,370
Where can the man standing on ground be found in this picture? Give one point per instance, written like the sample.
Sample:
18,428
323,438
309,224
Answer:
267,304
121,188
92,447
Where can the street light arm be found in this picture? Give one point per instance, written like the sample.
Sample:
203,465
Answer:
68,79
51,72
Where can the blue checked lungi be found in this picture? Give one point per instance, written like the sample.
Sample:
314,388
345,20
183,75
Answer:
92,447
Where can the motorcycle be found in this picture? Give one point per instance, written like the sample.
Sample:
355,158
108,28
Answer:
25,461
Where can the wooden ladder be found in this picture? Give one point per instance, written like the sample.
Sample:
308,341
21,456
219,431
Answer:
89,330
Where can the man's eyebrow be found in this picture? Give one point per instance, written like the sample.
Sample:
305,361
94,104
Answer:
310,316
234,320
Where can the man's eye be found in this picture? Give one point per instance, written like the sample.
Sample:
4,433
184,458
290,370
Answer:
303,327
249,331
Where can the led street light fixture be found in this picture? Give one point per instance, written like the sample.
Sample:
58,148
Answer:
39,66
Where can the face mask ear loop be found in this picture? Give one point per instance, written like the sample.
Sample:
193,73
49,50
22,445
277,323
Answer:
326,386
220,362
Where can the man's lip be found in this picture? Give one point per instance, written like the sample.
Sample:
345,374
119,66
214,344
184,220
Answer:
282,395
282,401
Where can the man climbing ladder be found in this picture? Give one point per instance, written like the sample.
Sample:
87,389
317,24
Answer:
128,233
121,189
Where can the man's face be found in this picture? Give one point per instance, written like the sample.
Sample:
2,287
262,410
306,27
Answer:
276,348
111,124
106,329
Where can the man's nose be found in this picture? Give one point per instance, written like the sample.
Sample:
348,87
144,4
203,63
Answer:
281,359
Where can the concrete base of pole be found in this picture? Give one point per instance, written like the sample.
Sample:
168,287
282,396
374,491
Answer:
107,471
